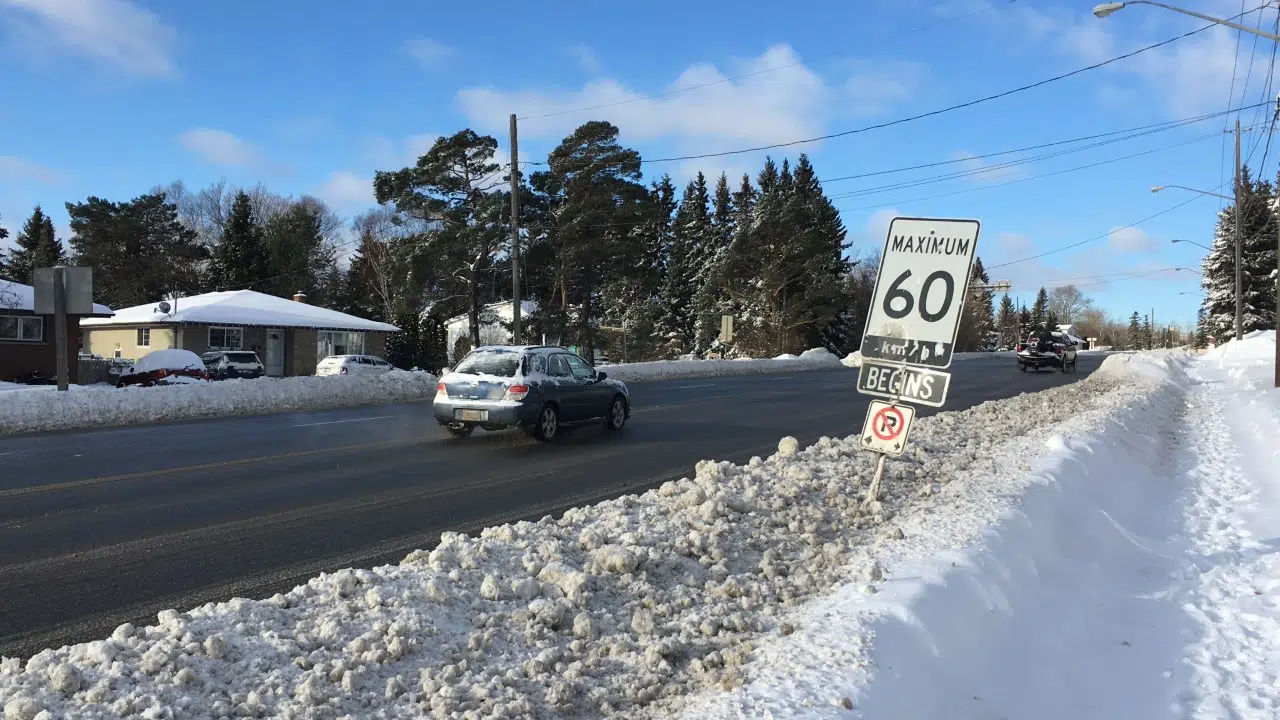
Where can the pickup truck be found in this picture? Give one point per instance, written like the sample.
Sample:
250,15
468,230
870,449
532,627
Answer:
1053,350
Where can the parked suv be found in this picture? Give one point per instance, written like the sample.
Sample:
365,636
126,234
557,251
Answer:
539,388
227,364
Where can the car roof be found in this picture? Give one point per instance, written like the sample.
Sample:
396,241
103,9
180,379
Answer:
519,348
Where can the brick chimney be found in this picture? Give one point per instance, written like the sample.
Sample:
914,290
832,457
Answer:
300,297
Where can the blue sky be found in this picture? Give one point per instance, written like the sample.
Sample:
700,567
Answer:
114,97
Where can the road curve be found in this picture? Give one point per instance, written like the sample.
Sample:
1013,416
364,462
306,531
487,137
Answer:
108,526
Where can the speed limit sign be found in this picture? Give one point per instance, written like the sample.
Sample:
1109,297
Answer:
920,291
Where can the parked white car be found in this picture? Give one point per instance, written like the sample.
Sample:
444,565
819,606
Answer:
353,365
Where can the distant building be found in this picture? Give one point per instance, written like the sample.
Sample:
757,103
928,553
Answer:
27,340
1071,331
290,336
495,323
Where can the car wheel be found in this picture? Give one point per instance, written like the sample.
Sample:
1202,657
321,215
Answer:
1022,367
460,430
617,416
547,424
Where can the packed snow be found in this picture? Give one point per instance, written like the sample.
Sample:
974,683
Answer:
168,360
98,406
637,606
814,359
16,296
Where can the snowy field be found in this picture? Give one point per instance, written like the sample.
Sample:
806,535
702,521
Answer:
45,409
740,591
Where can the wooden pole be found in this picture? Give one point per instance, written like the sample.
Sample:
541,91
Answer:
60,325
515,236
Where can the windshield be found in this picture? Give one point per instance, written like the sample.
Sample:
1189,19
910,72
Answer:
502,363
242,357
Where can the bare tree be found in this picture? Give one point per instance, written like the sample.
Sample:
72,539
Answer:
1067,303
8,296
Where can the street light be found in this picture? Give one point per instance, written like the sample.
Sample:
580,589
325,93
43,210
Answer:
1191,293
1193,242
1158,188
1235,231
1106,9
1190,270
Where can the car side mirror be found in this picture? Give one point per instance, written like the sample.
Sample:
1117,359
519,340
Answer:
600,376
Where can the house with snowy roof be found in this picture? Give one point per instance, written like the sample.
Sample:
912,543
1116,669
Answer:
27,341
1071,331
290,335
495,322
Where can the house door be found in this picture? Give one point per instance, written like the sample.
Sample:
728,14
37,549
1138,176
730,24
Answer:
275,353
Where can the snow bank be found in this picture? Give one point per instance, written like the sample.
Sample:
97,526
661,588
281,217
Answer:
1257,348
815,359
625,607
103,406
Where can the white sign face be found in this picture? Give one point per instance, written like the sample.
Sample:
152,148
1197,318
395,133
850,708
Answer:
78,285
885,430
920,291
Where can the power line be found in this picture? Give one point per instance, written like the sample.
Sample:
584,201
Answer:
678,91
1104,235
941,111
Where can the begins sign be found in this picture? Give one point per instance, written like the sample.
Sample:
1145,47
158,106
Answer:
912,384
920,291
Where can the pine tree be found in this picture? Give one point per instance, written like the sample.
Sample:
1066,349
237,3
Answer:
691,238
1258,244
977,320
1024,323
1134,340
1146,334
1040,311
35,247
711,302
1007,322
240,259
4,264
1051,321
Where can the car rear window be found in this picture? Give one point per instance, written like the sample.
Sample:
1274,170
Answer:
502,364
242,357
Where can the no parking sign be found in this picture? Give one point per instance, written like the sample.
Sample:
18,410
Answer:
886,427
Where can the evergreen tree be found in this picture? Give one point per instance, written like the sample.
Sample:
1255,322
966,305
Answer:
35,247
978,319
1024,323
1007,322
1134,340
4,264
1146,333
240,259
1258,245
686,262
1051,321
296,254
139,250
710,301
1040,311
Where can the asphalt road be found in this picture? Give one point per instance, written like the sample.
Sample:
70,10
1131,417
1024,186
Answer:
108,526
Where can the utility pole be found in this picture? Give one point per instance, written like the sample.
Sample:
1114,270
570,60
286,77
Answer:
1239,250
515,236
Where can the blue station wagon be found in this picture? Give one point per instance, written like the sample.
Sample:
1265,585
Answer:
539,388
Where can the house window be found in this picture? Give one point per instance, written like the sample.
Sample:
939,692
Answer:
338,342
144,337
23,328
226,338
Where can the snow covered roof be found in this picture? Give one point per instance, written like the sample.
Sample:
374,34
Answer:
241,307
16,296
501,308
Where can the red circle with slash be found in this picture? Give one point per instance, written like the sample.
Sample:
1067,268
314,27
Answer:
881,420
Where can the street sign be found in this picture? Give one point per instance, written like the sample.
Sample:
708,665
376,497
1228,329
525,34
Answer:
885,430
920,291
78,282
726,328
898,382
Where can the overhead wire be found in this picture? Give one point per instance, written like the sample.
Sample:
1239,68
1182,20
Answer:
941,111
756,73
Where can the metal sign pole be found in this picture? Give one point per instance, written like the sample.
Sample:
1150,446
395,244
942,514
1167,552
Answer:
873,492
60,325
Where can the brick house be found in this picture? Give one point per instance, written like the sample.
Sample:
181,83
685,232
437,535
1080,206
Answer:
290,336
27,340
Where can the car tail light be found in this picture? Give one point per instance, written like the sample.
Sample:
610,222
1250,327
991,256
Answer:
516,392
162,373
441,390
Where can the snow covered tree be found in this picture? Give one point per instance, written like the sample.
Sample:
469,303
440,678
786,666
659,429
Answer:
1051,321
4,265
978,319
35,247
1146,333
1258,247
710,302
687,259
1007,322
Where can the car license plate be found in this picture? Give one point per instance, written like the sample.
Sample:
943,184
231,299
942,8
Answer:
471,415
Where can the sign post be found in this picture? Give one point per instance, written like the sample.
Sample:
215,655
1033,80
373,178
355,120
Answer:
912,325
60,291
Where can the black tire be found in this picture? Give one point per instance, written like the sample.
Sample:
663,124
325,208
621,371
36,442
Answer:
1064,365
1022,367
617,416
547,426
460,430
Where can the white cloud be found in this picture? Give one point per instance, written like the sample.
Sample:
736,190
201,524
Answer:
346,191
429,53
876,230
587,58
15,168
117,31
772,107
219,147
876,87
1131,240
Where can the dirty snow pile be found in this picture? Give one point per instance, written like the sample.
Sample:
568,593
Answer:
105,406
814,359
623,608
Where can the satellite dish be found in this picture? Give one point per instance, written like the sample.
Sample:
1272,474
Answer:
164,307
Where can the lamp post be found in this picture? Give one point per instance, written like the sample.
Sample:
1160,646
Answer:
1235,231
1193,242
1105,9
